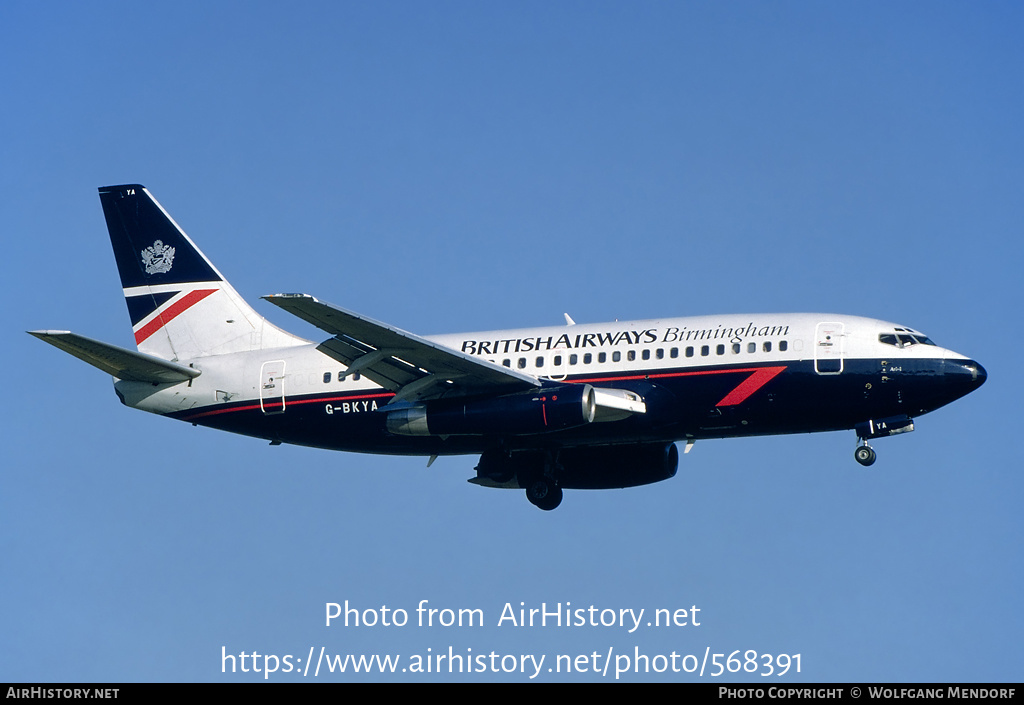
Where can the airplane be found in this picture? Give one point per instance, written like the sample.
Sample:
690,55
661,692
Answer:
574,406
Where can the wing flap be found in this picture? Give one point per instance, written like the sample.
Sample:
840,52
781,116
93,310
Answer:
119,362
413,367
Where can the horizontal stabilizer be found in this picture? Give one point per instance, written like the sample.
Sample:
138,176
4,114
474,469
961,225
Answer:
119,362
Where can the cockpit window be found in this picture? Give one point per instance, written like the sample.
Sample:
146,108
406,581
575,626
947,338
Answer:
904,337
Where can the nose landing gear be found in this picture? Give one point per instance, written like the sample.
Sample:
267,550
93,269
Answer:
878,428
865,454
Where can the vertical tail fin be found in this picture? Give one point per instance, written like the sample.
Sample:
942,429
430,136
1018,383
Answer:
179,304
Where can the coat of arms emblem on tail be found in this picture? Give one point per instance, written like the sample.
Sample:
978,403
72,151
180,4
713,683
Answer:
158,258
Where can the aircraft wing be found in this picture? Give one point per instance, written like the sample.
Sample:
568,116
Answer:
119,362
413,367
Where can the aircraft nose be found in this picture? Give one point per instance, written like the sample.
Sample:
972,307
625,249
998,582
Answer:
966,372
981,375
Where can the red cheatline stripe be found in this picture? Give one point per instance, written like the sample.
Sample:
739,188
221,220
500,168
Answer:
664,375
296,402
171,312
759,376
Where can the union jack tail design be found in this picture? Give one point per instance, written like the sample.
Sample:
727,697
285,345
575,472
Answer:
179,304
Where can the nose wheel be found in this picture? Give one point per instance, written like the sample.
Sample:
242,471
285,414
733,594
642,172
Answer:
865,455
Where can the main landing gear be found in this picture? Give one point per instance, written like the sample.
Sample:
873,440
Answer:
864,454
533,471
543,493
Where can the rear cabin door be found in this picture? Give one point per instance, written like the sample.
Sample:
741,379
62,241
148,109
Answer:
272,387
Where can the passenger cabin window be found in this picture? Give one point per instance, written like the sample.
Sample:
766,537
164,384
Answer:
327,377
587,358
783,346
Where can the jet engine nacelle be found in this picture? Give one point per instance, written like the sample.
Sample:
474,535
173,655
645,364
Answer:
540,411
608,467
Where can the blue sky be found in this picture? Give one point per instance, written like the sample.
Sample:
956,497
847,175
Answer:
458,166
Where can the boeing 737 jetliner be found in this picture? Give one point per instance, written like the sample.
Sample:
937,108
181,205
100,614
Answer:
566,407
